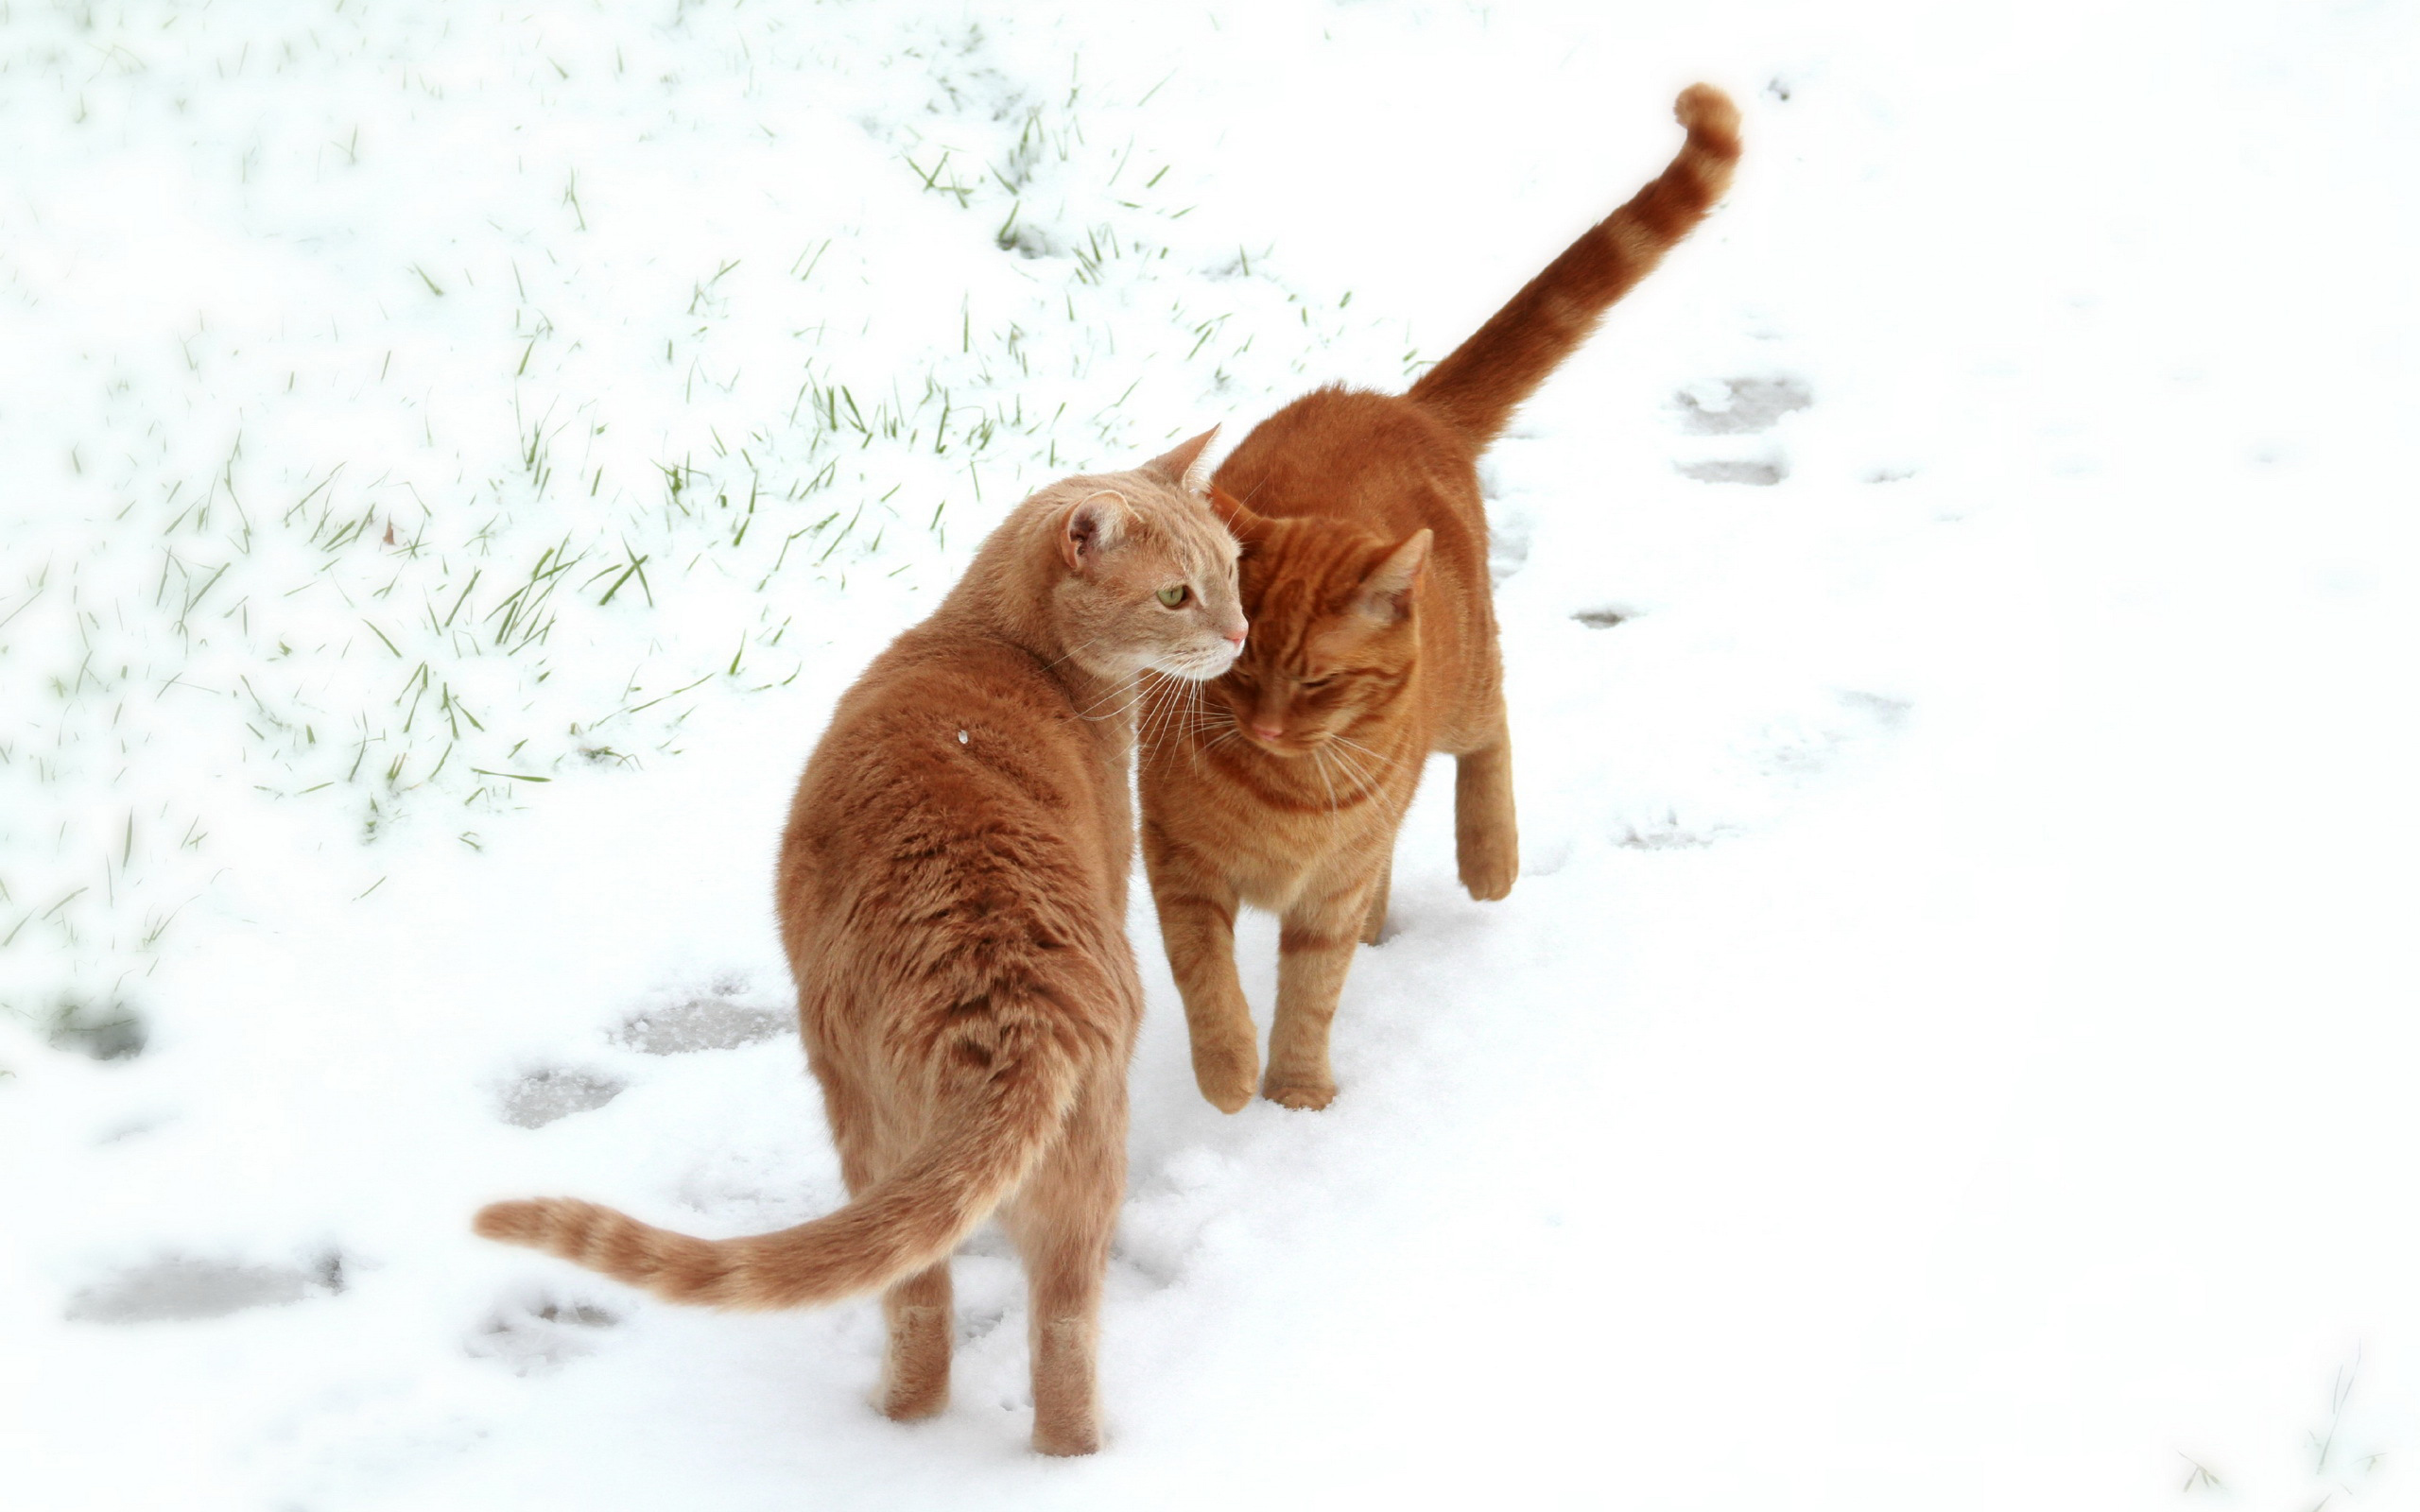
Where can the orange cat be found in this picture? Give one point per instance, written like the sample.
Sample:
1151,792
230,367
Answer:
952,891
1365,576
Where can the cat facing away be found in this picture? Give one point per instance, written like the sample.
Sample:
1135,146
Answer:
1282,784
952,897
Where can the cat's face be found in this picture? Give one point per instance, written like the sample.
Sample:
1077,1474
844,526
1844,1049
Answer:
1336,631
1150,583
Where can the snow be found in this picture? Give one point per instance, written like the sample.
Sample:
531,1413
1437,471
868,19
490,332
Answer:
1951,1044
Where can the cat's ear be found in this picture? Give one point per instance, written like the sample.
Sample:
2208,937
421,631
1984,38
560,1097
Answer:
1188,466
1090,527
1236,516
1386,594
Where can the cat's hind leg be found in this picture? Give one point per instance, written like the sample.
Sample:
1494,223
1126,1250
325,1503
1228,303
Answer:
915,1366
916,1312
1061,1221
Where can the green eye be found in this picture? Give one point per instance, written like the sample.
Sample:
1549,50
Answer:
1173,597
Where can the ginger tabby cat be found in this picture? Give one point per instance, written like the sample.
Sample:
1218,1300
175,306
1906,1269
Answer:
1365,576
952,895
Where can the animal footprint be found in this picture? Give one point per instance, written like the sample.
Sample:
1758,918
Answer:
541,1097
541,1334
1738,407
1763,474
1807,746
104,1032
182,1289
700,1023
1667,830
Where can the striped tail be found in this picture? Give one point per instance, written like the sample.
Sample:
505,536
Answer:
1486,378
913,1217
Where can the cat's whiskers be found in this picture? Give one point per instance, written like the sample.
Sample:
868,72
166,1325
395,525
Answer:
1209,714
1232,731
1217,715
1353,769
1181,716
1365,780
1125,695
1152,700
1198,716
1164,695
1319,764
1177,710
1135,692
1347,740
1384,764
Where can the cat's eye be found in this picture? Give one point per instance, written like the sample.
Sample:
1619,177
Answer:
1315,682
1175,597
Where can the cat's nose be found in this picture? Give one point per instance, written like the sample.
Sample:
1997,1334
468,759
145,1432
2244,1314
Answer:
1235,636
1267,732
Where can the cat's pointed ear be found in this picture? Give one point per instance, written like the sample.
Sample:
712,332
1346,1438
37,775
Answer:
1386,594
1236,516
1089,527
1188,466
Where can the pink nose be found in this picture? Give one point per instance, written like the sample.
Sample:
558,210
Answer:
1268,731
1238,639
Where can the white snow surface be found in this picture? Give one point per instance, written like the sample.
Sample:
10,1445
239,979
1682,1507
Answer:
1953,1040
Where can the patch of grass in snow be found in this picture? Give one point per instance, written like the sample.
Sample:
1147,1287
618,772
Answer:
2340,1456
460,468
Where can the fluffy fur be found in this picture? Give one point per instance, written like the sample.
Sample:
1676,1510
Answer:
1375,643
952,894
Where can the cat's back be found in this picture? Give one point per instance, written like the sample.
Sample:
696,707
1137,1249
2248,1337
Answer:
1380,461
955,795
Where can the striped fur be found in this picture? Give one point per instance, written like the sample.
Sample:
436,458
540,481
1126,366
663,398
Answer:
1482,381
1374,645
914,1215
952,894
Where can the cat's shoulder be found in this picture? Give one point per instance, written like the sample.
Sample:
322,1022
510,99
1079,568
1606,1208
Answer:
934,681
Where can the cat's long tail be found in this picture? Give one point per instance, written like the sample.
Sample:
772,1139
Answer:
914,1215
1478,386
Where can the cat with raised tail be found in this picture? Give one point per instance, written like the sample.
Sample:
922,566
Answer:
1374,645
952,898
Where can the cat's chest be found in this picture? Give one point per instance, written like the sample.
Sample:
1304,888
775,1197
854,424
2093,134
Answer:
1274,844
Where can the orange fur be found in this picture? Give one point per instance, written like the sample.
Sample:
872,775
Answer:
952,893
1375,643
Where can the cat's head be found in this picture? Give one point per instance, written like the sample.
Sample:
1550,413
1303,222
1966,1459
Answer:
1148,580
1336,627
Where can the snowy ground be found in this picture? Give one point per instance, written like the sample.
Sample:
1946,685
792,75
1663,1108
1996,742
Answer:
1952,1044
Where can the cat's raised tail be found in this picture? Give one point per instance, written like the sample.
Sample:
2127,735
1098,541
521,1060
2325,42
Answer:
910,1217
1478,385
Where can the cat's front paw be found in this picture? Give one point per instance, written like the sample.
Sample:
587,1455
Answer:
1489,866
1225,1071
1065,1439
1301,1093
